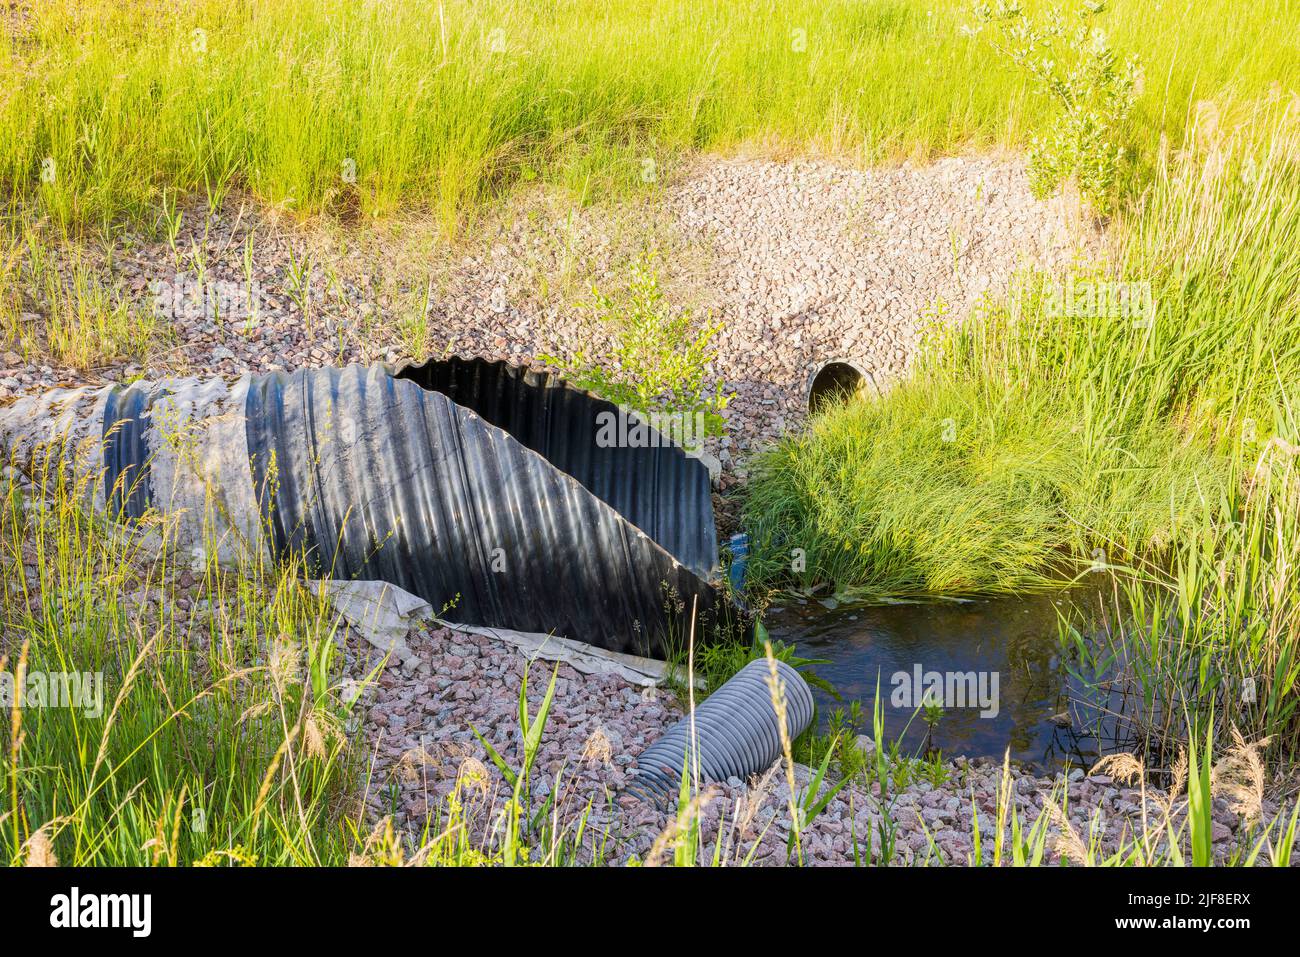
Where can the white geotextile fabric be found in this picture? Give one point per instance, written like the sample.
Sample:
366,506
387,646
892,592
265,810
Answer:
384,614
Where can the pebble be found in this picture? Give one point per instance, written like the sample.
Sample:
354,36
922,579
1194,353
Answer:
599,726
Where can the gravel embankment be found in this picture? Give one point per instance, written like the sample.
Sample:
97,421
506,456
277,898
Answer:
420,726
801,263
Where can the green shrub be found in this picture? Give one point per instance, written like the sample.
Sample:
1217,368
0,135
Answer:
1072,63
658,361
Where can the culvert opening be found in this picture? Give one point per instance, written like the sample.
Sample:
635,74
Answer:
835,382
656,486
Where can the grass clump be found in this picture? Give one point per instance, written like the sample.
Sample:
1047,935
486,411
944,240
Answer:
963,486
204,739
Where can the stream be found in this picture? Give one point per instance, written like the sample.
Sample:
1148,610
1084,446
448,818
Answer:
997,661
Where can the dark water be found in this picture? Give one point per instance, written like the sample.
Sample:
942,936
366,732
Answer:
1012,638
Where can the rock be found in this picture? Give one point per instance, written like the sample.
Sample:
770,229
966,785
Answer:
865,743
710,462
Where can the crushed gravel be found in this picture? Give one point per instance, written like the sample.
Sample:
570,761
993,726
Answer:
420,725
801,263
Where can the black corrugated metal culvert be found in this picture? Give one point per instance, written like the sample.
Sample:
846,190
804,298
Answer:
481,483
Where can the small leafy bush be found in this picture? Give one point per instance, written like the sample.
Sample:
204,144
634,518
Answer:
1093,92
659,358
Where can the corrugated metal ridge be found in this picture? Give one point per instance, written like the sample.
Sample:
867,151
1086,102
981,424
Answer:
656,487
126,453
375,477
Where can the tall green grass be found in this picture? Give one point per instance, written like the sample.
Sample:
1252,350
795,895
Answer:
1214,638
218,737
1025,439
443,104
223,731
960,487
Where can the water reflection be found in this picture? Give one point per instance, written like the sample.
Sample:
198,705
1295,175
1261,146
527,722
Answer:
1041,713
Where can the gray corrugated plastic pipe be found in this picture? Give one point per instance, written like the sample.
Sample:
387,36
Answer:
737,732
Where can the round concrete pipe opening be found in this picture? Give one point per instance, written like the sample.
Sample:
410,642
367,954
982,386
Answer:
834,382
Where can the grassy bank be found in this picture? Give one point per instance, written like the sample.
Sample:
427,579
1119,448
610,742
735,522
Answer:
364,105
1033,443
1035,434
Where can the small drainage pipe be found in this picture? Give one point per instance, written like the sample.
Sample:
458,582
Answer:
739,547
737,732
835,381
